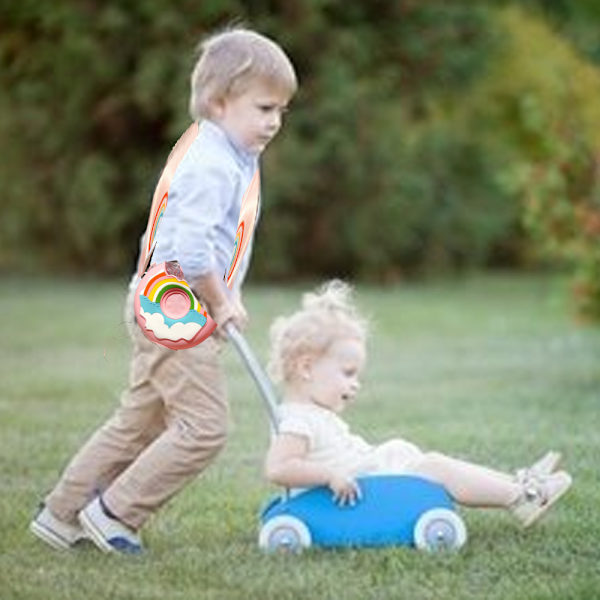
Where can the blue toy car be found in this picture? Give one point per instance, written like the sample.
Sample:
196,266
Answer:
394,510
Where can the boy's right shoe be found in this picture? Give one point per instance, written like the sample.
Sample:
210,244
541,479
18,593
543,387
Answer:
539,495
108,533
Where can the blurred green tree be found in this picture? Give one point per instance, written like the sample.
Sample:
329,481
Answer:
391,162
538,103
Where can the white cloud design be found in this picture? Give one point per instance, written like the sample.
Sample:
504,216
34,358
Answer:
156,324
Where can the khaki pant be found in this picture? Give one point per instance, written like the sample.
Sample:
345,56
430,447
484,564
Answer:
171,423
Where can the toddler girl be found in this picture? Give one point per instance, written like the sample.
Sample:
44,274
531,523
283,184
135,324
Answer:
317,354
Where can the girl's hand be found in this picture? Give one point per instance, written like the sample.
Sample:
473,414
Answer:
345,489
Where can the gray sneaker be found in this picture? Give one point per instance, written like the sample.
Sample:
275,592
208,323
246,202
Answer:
108,533
61,535
539,495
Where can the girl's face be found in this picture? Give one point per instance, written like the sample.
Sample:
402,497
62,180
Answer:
253,117
332,379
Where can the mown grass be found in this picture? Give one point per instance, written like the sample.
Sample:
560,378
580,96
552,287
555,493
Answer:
488,368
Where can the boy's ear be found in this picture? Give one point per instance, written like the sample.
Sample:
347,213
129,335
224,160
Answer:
217,107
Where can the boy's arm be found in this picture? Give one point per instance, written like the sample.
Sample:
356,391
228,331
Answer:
286,465
209,288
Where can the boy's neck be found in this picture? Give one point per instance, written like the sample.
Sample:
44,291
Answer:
245,154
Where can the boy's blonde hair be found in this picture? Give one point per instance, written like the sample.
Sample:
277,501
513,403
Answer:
229,61
326,316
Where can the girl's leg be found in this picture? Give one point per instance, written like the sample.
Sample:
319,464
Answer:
472,485
468,483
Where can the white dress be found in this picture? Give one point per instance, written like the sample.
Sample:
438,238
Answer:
331,443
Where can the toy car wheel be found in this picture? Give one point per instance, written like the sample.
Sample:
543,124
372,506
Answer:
284,534
439,529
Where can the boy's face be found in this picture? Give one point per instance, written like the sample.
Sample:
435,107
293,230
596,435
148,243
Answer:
253,117
333,379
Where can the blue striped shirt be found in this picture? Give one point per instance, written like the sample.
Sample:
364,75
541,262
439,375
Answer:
200,222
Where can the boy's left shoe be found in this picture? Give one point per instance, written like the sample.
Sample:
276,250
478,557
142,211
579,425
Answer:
107,532
59,534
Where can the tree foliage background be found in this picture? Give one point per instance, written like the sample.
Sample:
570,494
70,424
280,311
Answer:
426,136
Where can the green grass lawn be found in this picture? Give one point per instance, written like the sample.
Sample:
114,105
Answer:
489,368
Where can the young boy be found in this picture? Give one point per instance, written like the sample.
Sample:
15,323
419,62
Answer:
172,418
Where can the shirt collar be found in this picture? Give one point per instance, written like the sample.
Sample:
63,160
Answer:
216,132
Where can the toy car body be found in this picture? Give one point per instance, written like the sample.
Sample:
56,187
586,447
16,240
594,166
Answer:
393,510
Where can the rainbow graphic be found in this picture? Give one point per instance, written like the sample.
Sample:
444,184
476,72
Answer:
162,285
237,246
160,211
161,195
246,223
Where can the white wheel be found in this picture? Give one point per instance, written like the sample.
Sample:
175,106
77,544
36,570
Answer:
439,529
284,534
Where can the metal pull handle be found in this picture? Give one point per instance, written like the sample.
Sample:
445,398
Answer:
265,387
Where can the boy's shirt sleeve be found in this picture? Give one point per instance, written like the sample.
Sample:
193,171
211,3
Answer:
203,203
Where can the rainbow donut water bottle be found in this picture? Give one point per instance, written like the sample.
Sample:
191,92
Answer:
168,311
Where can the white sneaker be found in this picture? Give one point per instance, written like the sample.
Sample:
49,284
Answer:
109,534
539,495
543,467
61,535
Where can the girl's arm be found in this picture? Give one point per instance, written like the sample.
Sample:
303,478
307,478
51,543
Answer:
286,465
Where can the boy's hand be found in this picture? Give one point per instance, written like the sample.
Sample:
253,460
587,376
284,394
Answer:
241,312
345,489
229,312
221,307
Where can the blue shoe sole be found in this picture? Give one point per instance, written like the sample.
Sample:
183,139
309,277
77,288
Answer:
118,544
94,533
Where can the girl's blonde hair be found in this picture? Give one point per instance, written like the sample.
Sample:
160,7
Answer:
326,316
230,60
